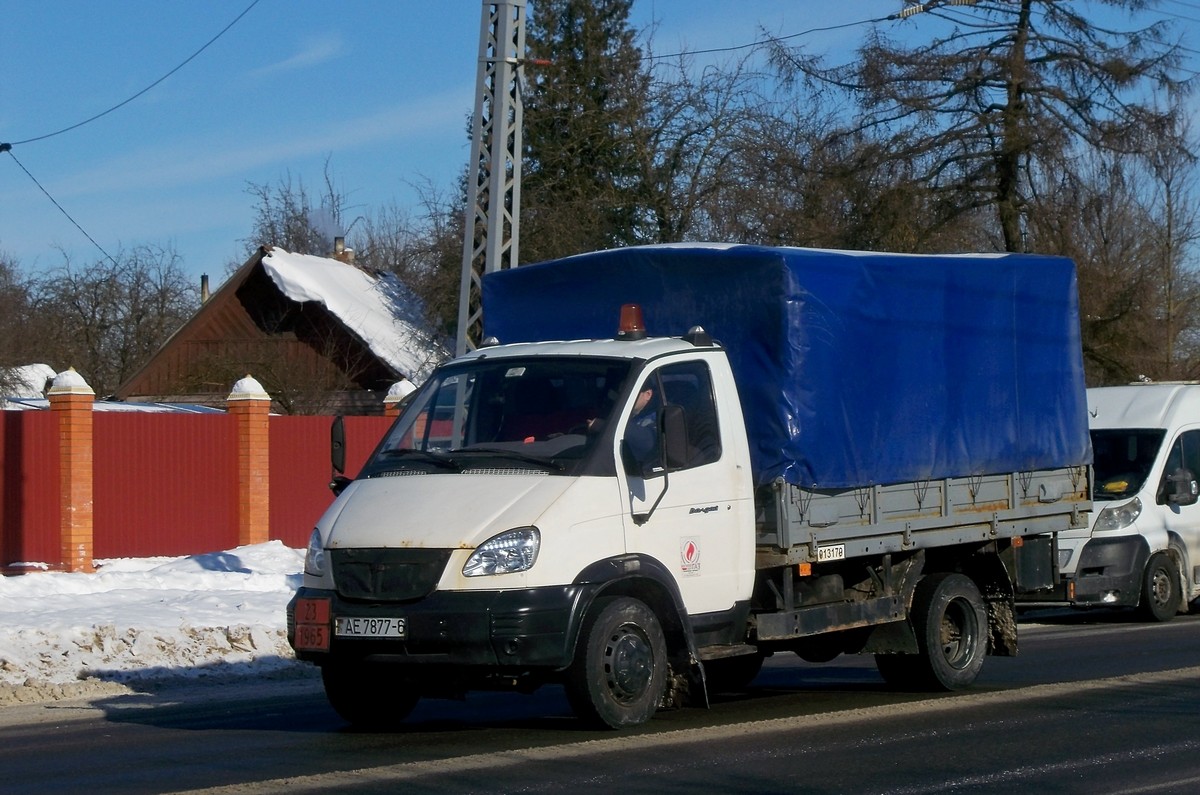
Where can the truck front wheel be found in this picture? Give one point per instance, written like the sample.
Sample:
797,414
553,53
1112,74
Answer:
620,669
367,696
950,621
1160,589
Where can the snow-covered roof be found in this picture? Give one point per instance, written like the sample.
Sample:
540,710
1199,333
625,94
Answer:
380,309
29,381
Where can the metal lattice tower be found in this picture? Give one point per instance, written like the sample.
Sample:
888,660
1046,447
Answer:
494,180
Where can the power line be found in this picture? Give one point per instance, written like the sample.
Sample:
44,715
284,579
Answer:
125,102
760,42
8,148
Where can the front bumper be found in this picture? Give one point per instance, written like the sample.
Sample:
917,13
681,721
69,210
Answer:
512,630
1109,572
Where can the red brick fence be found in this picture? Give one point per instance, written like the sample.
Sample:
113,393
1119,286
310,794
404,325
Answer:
78,484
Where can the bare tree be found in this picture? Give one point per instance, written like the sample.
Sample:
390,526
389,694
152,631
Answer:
17,338
423,249
1010,83
1173,167
1095,212
686,143
108,318
288,216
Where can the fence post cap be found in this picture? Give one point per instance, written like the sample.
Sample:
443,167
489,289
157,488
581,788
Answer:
248,388
401,389
69,382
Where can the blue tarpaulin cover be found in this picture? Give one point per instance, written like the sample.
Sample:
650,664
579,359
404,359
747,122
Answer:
853,368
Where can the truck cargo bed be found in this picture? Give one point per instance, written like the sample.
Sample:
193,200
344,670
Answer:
798,525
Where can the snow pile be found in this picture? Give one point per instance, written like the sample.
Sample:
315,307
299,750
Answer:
219,614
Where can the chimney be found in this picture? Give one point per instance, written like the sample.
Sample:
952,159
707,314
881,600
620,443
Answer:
341,253
203,289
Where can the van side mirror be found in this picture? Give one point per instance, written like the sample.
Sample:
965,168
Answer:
674,437
1182,488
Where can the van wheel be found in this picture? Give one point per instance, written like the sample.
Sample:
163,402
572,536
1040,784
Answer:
950,622
1160,589
371,697
620,669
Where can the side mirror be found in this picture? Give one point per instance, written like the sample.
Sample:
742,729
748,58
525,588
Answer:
1182,488
337,444
337,455
674,437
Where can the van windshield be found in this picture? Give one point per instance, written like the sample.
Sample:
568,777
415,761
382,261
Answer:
540,414
1122,460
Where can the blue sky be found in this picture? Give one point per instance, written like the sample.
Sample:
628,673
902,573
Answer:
382,89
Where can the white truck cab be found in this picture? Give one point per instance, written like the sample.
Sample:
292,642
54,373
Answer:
1142,548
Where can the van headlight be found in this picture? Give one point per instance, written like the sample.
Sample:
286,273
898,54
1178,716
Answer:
506,553
1118,517
314,556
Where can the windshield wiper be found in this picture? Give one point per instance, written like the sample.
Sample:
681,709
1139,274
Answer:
516,455
424,456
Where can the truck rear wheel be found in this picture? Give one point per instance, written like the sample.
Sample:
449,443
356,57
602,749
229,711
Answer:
620,669
950,621
366,696
1160,589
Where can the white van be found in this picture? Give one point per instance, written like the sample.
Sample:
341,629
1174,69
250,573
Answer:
1142,549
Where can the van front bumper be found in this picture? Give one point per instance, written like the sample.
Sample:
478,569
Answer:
1109,572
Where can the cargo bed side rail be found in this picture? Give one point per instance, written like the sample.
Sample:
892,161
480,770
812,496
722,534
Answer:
811,525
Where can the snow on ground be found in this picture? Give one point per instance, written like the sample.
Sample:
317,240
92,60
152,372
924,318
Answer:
65,635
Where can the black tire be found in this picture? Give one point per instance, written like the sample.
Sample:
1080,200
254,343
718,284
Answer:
620,669
370,697
950,622
731,674
1161,594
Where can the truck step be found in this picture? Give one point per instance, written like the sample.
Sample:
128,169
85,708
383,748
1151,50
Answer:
721,651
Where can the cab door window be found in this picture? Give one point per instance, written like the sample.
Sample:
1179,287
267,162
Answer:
688,388
1184,454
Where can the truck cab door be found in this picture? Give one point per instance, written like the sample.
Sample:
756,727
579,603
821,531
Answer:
682,503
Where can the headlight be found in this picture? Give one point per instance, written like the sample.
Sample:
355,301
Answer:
314,556
511,551
1118,517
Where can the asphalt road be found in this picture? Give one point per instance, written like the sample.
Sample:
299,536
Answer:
1095,702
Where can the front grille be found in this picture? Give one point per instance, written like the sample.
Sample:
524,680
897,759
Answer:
387,575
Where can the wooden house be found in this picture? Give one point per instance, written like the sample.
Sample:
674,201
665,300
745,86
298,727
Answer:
320,334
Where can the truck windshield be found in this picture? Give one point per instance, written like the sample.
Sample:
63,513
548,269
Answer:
542,414
1122,460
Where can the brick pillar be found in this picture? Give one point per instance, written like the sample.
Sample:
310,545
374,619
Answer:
397,396
251,405
71,401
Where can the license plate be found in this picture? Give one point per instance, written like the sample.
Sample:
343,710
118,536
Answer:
359,627
835,552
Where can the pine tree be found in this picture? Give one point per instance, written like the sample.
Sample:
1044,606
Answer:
585,101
